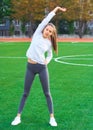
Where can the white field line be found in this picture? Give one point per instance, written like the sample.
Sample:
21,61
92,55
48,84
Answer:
12,57
70,57
74,57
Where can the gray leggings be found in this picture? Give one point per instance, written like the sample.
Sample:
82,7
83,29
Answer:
32,70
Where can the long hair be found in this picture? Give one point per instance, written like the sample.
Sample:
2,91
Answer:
54,37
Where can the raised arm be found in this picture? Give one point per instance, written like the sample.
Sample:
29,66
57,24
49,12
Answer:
47,19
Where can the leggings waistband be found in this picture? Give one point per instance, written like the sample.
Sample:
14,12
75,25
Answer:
31,61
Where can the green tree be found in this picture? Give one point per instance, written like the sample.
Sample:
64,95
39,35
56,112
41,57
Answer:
5,8
28,9
35,10
79,10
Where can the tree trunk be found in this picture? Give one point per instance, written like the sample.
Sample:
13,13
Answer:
82,28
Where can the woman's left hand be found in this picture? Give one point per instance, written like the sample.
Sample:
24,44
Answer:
63,9
59,8
45,62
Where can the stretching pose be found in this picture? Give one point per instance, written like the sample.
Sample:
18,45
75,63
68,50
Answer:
44,39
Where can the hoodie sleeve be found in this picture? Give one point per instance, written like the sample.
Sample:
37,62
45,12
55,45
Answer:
45,21
49,55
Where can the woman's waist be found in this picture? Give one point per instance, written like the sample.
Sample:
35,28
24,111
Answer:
34,62
31,61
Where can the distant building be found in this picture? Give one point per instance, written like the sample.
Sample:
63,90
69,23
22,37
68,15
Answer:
17,27
4,27
90,27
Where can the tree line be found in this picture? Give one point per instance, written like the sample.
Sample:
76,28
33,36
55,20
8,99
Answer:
35,10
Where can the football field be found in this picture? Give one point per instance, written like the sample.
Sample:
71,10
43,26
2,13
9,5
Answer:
71,85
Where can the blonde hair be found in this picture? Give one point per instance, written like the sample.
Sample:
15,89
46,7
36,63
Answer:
53,37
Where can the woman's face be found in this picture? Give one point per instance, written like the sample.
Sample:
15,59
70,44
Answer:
47,32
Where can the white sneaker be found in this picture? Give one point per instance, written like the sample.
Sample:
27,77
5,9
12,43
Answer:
52,121
16,121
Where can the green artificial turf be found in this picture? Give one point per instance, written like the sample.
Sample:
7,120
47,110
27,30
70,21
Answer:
71,88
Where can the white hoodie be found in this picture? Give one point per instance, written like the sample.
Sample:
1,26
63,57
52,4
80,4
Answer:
39,44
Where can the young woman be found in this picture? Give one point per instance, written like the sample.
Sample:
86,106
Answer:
44,39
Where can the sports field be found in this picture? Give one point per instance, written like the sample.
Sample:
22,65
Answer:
71,84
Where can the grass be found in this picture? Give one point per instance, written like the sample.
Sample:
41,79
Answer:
71,88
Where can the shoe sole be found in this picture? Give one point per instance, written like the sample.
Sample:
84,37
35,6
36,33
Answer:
16,124
53,125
